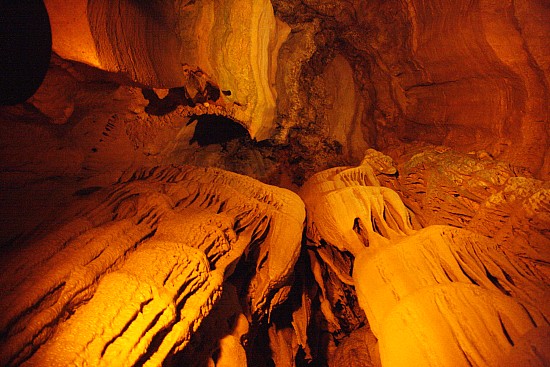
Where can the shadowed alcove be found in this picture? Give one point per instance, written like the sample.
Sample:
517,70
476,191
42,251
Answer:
213,129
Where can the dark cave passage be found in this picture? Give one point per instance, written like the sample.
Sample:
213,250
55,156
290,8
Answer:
26,44
213,129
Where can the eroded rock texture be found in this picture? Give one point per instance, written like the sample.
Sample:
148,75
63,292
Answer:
440,295
474,191
129,279
470,75
116,251
214,52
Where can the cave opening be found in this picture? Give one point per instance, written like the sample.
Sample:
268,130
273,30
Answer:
214,129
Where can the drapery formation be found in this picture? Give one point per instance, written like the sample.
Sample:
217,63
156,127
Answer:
438,295
131,277
140,265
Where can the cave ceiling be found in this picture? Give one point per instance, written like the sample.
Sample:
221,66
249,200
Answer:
275,183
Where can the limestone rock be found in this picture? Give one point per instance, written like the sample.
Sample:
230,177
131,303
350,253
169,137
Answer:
530,350
348,209
205,47
359,349
459,56
439,180
342,109
437,295
55,97
487,196
291,101
468,77
455,324
438,255
442,253
142,264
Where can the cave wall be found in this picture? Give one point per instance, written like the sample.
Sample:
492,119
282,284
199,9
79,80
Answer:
472,75
181,43
480,70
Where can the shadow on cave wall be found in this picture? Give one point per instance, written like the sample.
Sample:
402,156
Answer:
25,46
213,129
180,96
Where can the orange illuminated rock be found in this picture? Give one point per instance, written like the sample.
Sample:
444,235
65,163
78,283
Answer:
455,324
467,76
229,47
343,109
133,276
348,209
477,78
359,349
433,296
55,97
482,194
439,255
71,34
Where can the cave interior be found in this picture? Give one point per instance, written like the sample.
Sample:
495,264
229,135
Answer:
275,183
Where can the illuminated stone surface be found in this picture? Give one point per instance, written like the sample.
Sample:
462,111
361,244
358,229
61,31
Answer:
468,75
132,276
438,244
433,296
232,45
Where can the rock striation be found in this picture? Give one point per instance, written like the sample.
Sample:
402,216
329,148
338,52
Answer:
207,49
471,75
431,296
142,264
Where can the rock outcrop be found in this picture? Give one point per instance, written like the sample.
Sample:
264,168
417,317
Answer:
486,196
470,75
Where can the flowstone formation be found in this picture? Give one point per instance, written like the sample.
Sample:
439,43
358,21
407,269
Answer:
129,277
180,264
438,295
